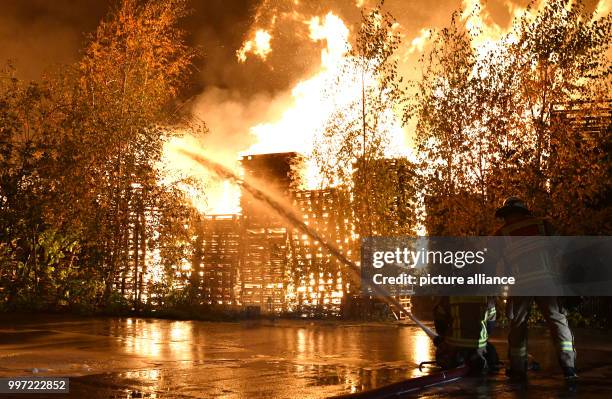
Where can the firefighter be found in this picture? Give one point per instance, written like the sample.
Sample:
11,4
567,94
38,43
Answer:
518,221
491,355
461,323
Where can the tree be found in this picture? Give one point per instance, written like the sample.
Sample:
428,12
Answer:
490,123
560,61
36,259
133,67
447,138
358,134
80,191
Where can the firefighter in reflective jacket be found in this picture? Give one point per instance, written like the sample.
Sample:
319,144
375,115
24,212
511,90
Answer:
461,323
518,221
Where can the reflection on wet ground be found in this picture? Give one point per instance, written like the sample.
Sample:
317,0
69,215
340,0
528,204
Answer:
150,358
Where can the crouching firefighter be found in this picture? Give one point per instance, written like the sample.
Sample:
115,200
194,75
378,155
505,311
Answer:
461,323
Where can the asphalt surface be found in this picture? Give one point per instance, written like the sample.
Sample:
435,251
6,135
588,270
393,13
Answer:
149,358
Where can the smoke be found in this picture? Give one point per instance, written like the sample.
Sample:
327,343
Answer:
242,86
232,96
230,117
37,35
248,85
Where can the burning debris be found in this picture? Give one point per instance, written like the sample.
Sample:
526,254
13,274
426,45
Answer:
257,259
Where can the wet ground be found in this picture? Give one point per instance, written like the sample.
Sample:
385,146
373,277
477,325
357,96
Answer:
150,358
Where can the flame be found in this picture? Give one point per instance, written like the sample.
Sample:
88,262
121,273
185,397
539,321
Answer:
602,9
486,32
258,45
311,106
301,121
418,43
207,193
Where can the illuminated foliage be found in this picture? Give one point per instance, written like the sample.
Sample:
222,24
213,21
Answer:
529,116
78,179
358,136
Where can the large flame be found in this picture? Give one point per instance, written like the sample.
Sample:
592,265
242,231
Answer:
207,192
314,100
304,117
417,45
308,106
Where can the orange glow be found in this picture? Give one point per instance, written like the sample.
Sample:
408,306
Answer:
312,105
602,9
207,193
259,45
298,123
417,45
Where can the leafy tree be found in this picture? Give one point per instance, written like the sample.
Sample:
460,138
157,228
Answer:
497,123
447,111
35,258
358,134
560,63
132,69
81,204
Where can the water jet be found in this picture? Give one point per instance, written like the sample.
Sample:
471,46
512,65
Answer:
258,194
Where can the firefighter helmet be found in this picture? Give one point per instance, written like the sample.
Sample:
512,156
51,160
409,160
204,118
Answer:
512,205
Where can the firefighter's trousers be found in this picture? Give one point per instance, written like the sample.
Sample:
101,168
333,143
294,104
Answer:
461,322
557,324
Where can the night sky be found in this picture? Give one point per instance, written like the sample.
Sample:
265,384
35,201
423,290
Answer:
38,34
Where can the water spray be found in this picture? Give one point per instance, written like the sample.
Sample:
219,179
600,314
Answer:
259,195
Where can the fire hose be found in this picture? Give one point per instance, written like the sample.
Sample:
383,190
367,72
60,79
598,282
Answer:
410,385
385,392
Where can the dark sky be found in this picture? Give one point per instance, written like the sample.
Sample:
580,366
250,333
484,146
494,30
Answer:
36,34
39,34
